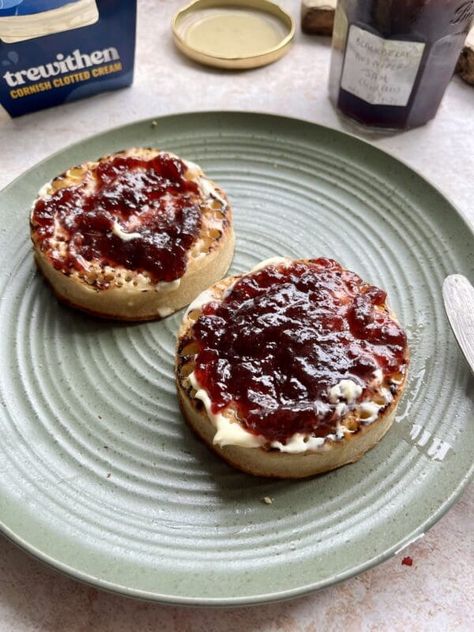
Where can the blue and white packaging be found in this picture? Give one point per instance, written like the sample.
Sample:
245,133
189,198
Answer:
55,51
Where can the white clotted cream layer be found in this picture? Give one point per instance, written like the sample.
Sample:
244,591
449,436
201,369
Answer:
272,261
231,432
345,389
228,432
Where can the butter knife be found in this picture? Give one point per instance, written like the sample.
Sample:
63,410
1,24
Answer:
458,296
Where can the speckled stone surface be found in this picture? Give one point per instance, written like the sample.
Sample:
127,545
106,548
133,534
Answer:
432,594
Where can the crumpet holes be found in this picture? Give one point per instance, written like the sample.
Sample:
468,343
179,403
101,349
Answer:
190,349
194,314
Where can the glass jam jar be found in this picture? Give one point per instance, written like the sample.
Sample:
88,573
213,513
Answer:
392,59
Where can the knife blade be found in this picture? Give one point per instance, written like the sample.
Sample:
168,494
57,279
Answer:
458,295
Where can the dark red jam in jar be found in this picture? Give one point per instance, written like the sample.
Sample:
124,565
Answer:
284,335
392,59
142,214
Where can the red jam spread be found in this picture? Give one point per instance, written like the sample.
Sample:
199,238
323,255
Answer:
284,335
150,198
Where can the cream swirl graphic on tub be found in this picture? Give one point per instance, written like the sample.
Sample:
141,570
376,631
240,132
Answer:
22,20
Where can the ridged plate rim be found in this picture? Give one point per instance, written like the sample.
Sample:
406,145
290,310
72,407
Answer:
263,597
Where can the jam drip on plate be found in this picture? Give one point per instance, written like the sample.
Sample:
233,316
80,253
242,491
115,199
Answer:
141,214
284,335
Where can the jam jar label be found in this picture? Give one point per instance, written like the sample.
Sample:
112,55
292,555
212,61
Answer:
380,71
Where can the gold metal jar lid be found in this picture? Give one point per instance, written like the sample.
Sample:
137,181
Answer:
234,34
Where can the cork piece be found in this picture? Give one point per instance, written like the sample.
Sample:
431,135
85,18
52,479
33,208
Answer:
465,67
317,16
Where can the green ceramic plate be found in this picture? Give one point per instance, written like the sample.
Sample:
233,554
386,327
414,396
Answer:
99,476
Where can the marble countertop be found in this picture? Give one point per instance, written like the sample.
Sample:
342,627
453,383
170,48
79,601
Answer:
433,593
